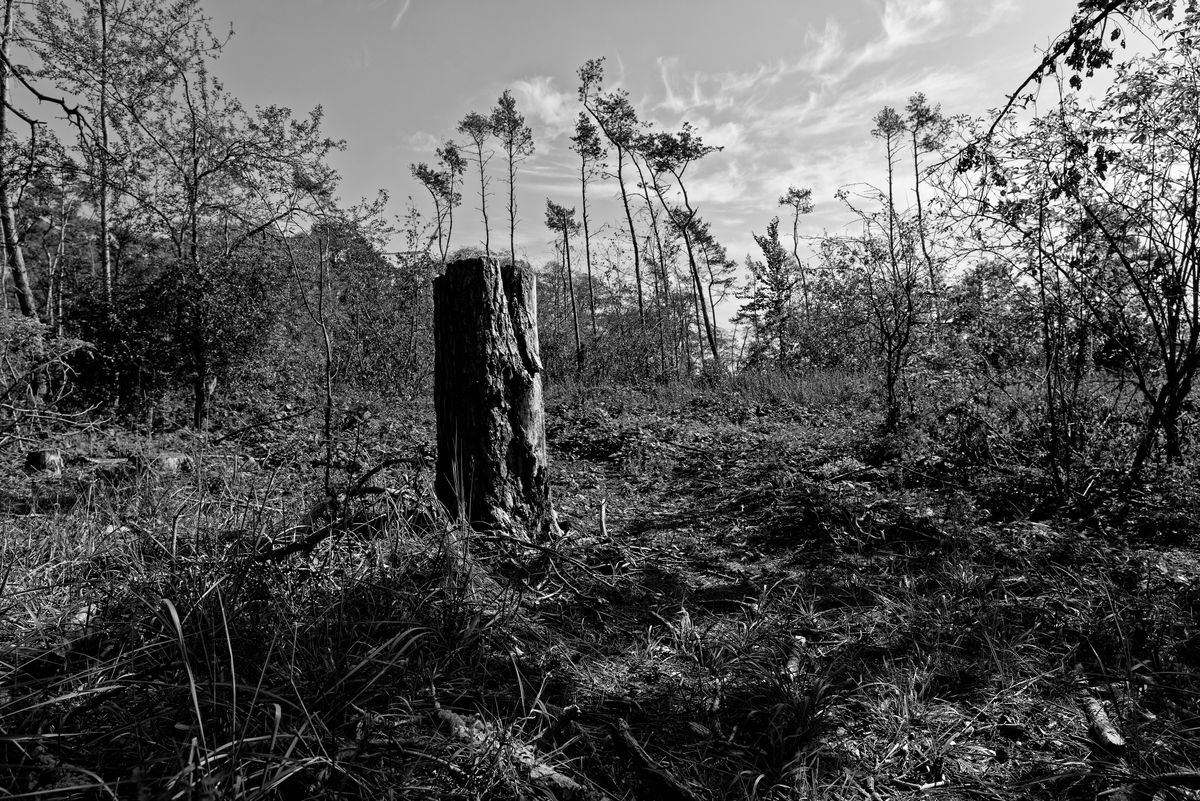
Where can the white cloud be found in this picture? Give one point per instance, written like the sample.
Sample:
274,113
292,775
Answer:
724,185
907,22
542,102
823,49
729,134
671,102
800,120
904,24
422,141
733,90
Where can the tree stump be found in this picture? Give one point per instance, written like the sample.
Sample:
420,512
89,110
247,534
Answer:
492,469
44,460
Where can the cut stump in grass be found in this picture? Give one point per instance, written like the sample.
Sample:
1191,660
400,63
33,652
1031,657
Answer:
44,460
492,467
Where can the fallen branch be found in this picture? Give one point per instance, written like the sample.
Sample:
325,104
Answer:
1100,728
335,506
304,545
1101,731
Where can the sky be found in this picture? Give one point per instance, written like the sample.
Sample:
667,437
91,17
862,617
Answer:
788,88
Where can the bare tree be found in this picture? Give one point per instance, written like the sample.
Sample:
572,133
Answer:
454,166
478,129
889,126
927,129
614,114
440,185
516,140
586,142
800,201
673,154
561,220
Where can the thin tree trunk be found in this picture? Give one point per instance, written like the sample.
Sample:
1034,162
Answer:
8,219
1049,365
51,286
324,262
512,208
587,248
681,316
691,254
437,232
1149,437
891,200
487,236
800,267
103,155
664,307
574,307
659,305
699,329
708,328
555,299
637,259
449,219
933,285
712,304
198,295
60,253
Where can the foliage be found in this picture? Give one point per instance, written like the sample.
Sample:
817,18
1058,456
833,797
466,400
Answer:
35,364
1097,205
771,308
378,309
146,350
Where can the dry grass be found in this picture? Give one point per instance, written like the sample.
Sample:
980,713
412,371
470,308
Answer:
769,615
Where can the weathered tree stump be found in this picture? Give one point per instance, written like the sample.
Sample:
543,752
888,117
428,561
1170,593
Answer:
492,469
44,460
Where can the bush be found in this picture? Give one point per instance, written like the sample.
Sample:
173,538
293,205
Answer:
35,362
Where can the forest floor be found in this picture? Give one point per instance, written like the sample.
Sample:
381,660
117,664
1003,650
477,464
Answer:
753,597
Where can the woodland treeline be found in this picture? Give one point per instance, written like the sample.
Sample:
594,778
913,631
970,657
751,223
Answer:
1023,285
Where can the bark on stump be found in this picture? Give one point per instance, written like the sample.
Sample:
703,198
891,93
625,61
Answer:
491,431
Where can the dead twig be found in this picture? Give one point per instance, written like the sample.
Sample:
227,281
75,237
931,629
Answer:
336,504
304,545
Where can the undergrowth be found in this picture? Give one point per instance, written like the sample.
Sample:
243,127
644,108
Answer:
776,605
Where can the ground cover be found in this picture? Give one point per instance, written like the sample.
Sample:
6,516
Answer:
751,599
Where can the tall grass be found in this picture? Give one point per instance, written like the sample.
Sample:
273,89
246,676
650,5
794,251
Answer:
768,616
813,388
159,656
